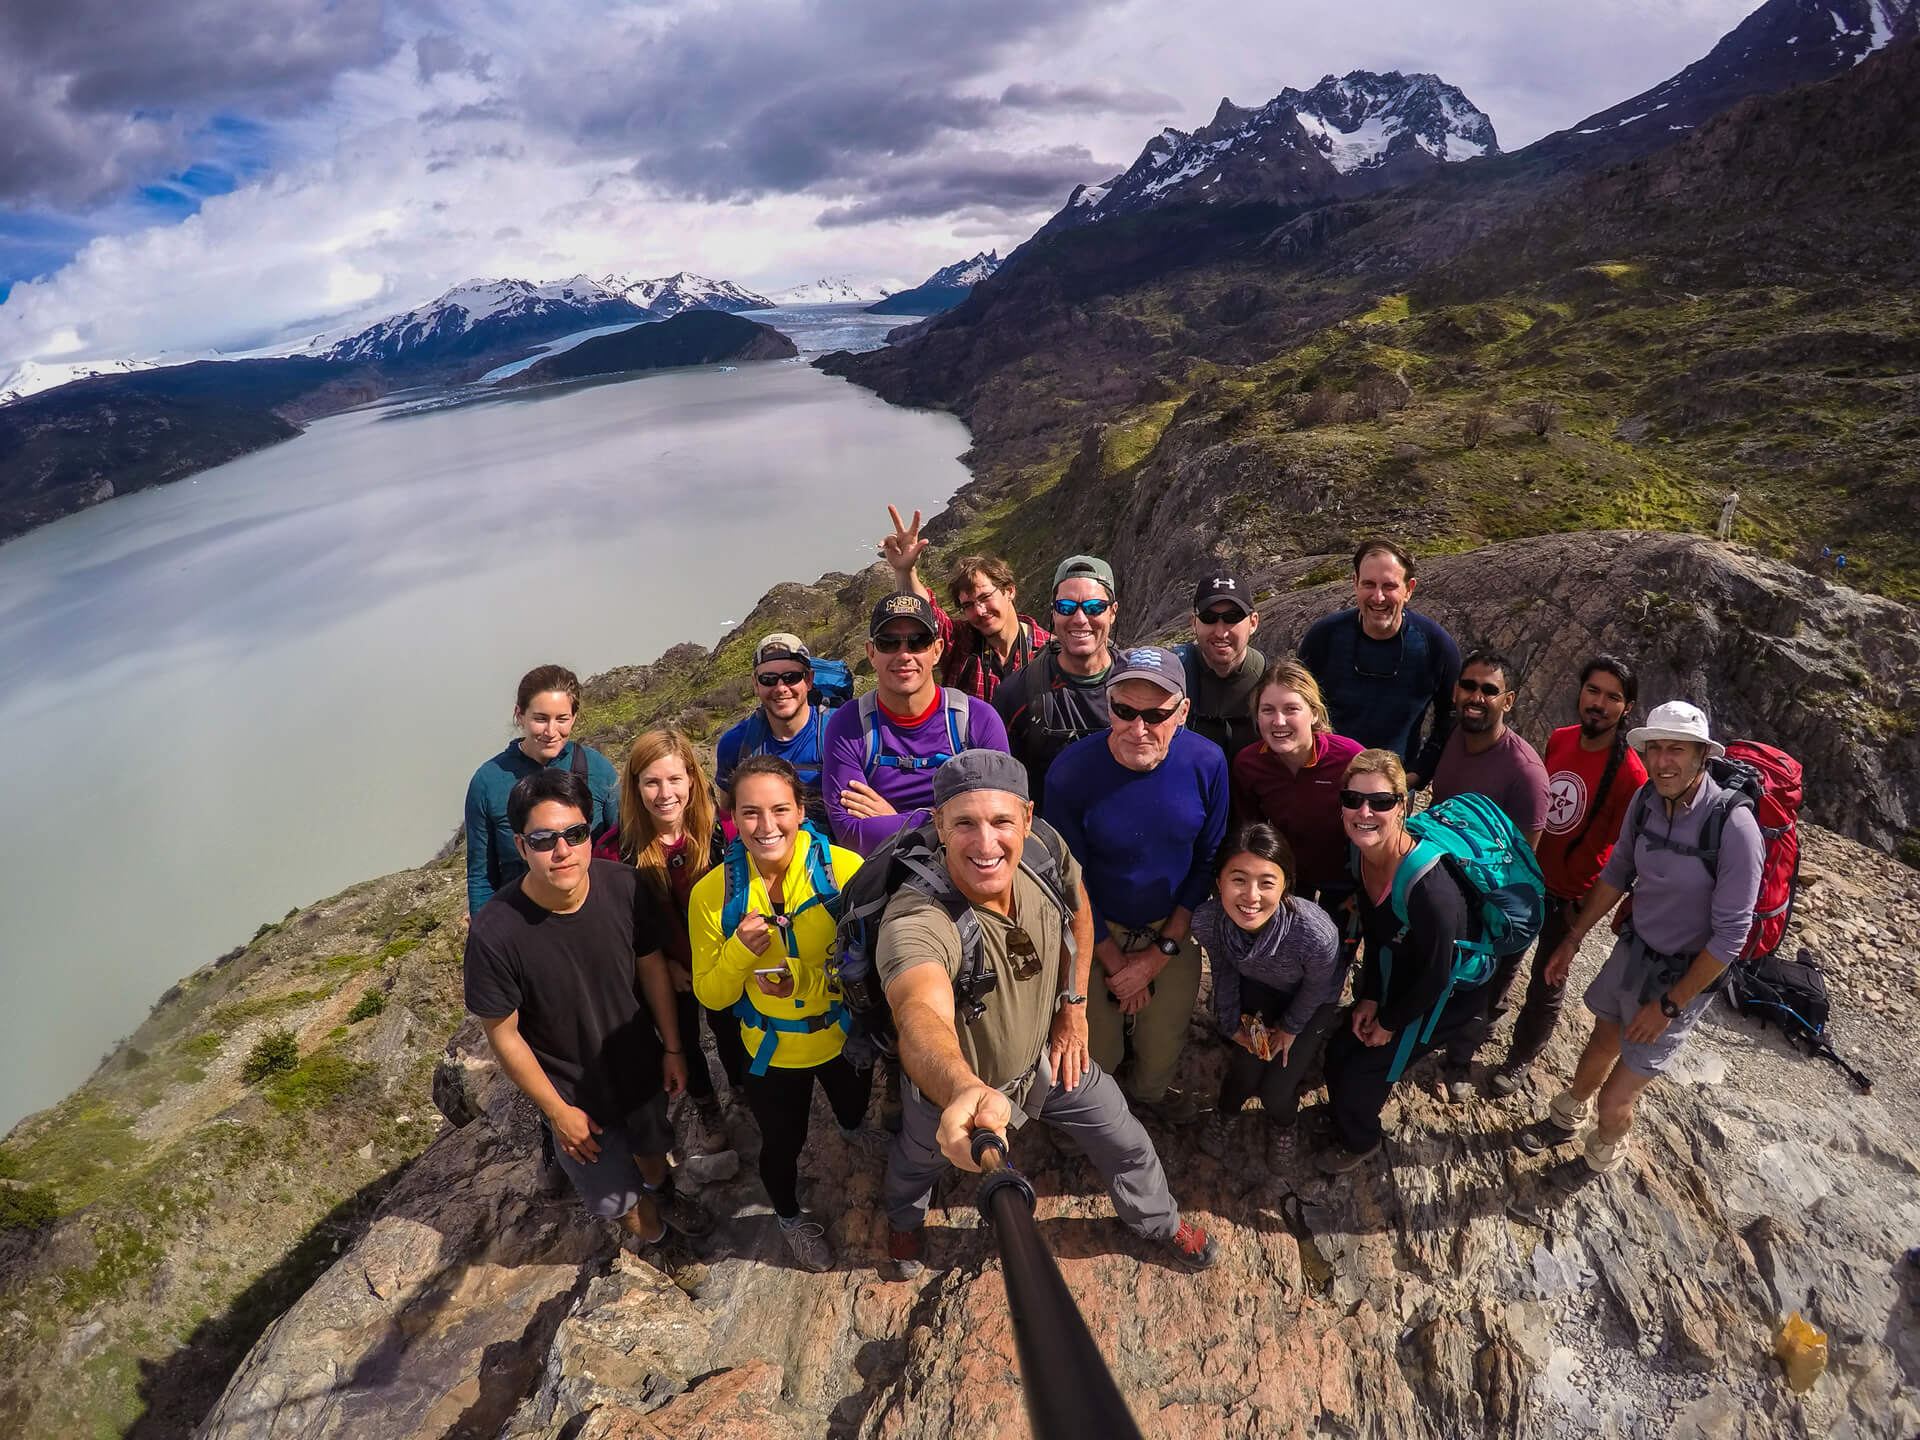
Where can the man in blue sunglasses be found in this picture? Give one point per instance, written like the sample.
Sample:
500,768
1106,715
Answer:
1062,695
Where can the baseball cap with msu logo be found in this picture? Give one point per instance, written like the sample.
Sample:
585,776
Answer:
903,606
1220,588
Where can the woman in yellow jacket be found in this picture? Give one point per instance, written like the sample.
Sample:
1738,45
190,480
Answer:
762,929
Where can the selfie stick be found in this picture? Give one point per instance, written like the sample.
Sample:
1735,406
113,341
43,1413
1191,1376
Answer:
1070,1392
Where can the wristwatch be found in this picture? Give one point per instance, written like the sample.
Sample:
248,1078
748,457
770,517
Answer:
1166,946
1067,997
1668,1008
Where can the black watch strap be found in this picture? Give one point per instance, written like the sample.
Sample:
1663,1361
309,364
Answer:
1668,1008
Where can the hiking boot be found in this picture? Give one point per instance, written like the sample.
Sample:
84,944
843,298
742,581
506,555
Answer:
1216,1136
1192,1248
873,1142
1283,1149
1337,1159
698,1170
1456,1084
683,1213
903,1249
1541,1136
705,1126
1174,1108
1504,1082
806,1237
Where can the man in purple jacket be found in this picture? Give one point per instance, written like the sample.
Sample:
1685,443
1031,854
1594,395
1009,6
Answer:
882,749
1689,921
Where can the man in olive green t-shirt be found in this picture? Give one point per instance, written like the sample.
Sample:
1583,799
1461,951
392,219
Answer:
1026,1054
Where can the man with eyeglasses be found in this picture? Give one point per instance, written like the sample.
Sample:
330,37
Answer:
784,724
882,749
1062,696
1223,668
1143,807
1023,1054
1384,669
564,969
996,641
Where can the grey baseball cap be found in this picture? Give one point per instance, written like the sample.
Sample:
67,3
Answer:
979,770
1150,662
1086,567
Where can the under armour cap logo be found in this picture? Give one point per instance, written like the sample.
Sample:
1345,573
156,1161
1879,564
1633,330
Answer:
1223,583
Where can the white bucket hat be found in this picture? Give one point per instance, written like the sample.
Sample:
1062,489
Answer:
1676,720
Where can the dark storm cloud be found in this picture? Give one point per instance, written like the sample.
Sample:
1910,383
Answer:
444,54
1062,99
974,182
854,99
95,94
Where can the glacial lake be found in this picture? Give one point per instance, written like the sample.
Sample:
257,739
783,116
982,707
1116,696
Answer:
243,692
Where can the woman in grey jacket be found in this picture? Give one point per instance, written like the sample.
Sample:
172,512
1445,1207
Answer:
1278,972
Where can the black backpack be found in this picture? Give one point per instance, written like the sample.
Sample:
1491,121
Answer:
1791,994
911,857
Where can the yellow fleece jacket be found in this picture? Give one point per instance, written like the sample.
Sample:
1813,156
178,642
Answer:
723,967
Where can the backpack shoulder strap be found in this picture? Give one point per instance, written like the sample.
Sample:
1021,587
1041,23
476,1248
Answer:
578,763
869,704
753,734
1422,858
739,888
1714,828
1190,662
959,718
820,869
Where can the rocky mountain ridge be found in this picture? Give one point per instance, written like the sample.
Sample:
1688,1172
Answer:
683,290
485,317
692,337
942,290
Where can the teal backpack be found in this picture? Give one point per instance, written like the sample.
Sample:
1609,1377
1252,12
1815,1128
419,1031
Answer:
1495,868
733,909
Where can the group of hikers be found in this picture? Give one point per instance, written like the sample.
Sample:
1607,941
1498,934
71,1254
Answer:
1059,837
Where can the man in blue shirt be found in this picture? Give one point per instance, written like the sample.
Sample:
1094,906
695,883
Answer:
785,724
1383,667
1143,806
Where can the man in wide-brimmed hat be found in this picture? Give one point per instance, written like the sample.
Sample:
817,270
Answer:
1689,854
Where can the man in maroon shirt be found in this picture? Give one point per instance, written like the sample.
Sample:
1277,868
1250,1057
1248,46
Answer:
1592,777
996,641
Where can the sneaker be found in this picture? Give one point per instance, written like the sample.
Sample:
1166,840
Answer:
807,1239
1192,1247
1283,1149
1337,1159
903,1249
1504,1082
683,1213
873,1142
1216,1136
1173,1108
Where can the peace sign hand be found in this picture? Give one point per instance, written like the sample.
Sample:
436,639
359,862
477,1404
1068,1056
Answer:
904,547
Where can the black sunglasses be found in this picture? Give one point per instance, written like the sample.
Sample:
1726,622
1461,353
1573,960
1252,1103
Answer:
545,840
1152,717
892,644
1223,617
1378,801
1093,608
1482,687
768,679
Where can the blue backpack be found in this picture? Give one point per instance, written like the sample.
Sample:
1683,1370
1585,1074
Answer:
958,710
733,909
832,687
1495,868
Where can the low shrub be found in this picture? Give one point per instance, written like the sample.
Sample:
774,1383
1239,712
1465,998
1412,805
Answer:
373,1003
27,1207
273,1054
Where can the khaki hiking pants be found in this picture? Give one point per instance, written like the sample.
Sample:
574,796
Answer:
1157,1034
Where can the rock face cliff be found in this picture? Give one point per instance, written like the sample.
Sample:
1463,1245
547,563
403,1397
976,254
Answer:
1440,1292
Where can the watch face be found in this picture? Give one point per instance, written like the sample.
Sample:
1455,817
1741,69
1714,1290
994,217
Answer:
1166,946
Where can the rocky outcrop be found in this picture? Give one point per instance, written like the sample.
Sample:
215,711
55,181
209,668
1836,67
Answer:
693,337
1440,1292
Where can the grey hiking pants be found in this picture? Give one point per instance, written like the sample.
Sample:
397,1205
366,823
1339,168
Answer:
1094,1114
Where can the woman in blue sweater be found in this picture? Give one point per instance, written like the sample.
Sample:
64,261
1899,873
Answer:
1143,806
1278,970
544,711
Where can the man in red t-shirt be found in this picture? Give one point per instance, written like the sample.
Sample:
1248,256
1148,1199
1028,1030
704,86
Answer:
1592,776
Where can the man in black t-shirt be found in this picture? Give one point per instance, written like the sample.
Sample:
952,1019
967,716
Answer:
551,965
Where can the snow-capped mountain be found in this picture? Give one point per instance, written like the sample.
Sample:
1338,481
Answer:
33,376
831,290
1346,135
942,290
686,291
1783,43
481,317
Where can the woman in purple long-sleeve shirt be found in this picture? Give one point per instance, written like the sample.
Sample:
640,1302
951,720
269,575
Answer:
1278,971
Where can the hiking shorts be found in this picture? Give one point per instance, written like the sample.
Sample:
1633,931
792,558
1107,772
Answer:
610,1186
1614,996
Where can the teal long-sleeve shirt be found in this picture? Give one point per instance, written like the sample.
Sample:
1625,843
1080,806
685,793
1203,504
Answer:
491,859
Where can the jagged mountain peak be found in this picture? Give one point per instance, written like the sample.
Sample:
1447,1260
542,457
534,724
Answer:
1348,134
684,290
478,316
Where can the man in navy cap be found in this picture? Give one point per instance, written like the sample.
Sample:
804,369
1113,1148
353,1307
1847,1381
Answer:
1020,1053
1144,806
1223,668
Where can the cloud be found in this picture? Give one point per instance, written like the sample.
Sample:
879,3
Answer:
98,94
1065,99
978,183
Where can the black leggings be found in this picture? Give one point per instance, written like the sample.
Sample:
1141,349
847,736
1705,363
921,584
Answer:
727,1044
781,1101
1276,1082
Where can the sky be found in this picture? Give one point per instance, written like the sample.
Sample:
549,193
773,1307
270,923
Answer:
181,176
